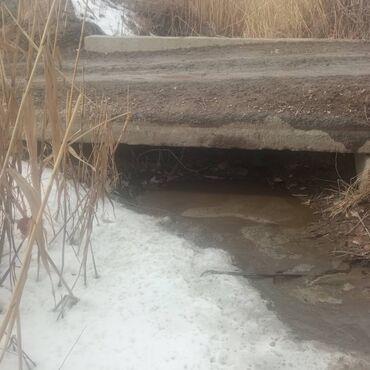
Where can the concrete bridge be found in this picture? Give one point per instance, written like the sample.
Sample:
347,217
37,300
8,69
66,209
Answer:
300,95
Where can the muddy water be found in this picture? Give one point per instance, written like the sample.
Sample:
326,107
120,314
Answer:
267,231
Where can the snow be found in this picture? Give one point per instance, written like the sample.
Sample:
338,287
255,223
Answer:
151,309
113,19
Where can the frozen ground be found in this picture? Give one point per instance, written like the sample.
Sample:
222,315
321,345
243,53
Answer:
151,309
114,20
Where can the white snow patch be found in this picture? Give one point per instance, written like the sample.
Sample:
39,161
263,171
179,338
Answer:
113,19
151,309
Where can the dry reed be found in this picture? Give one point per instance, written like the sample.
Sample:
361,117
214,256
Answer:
259,18
44,132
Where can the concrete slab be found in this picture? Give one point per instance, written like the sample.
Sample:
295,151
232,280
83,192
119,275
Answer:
275,136
111,44
311,95
126,44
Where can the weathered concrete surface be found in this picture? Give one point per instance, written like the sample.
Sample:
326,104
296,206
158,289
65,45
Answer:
111,44
266,94
275,135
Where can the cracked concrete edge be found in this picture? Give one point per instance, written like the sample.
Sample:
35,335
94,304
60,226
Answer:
112,44
232,136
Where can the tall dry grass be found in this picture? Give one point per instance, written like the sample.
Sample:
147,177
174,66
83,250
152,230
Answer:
43,117
259,18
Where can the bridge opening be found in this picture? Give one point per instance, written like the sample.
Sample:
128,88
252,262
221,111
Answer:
143,167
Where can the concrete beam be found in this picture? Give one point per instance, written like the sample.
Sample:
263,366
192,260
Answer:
231,136
113,44
363,170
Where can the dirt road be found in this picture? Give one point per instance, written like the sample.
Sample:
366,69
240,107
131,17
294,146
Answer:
277,95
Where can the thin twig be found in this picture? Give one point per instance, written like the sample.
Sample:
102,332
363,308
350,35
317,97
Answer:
72,348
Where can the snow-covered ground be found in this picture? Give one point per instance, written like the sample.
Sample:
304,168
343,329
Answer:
151,309
114,20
